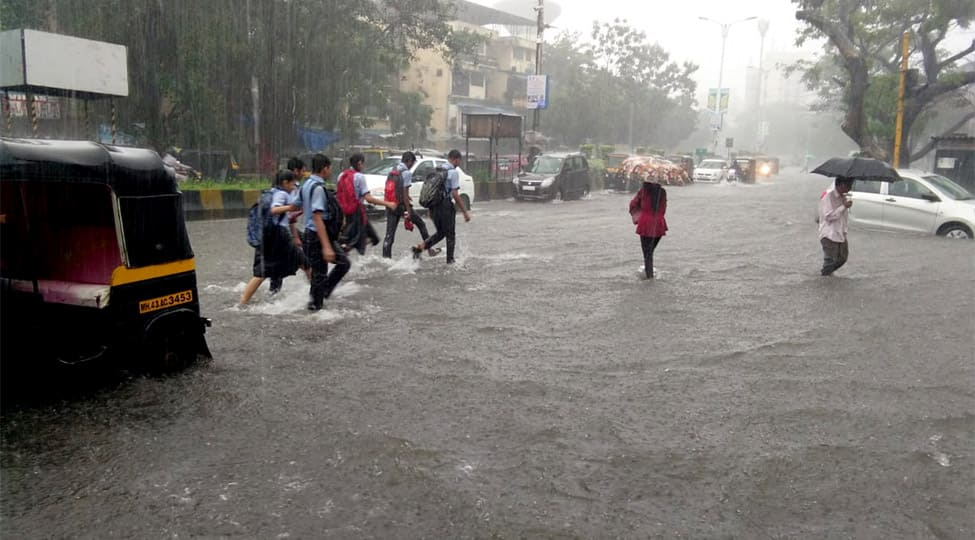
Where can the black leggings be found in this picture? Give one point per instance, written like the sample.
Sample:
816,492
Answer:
648,243
444,218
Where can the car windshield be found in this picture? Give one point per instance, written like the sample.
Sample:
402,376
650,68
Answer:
949,188
614,161
547,165
711,164
382,167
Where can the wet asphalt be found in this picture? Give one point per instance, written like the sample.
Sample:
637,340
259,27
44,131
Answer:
539,388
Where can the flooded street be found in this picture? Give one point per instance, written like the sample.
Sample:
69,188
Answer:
539,388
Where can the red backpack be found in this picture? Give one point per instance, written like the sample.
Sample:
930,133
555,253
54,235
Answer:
345,192
392,186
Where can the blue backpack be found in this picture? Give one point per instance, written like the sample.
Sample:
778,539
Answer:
259,218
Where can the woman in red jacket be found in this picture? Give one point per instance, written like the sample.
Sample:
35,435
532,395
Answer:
647,210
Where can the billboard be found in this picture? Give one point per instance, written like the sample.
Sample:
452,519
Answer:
537,91
49,63
713,95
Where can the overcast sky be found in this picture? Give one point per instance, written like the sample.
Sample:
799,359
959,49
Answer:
675,25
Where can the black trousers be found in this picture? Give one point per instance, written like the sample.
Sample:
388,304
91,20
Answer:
323,282
445,220
392,222
648,243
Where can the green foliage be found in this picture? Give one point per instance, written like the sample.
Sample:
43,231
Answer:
587,150
597,172
210,183
598,91
326,65
866,36
605,150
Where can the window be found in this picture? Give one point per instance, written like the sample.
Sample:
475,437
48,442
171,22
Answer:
866,186
439,72
422,170
477,79
908,188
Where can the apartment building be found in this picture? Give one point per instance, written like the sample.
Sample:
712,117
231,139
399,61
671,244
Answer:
493,79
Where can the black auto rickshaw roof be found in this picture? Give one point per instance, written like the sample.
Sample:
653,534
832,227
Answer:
128,171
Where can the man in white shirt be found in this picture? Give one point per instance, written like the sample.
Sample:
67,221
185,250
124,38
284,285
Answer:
834,210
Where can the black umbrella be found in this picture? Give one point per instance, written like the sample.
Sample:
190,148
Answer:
858,167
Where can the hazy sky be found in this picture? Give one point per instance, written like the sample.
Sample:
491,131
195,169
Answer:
675,25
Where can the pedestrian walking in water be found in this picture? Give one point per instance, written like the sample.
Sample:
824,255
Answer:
647,210
834,210
323,220
445,213
351,191
297,168
403,178
277,257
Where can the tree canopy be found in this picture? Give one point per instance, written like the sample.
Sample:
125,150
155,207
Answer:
195,67
860,72
617,82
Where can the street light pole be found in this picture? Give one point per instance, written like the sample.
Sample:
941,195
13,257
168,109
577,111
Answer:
762,131
538,53
717,101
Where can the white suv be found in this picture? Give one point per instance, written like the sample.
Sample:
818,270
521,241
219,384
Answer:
376,179
919,202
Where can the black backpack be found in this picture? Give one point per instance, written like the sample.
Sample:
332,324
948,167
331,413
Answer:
333,225
432,194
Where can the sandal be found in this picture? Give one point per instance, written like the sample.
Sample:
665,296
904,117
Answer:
434,251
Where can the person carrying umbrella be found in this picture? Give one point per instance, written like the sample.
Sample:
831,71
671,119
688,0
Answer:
835,204
834,209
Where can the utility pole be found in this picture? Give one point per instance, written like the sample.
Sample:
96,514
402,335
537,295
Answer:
538,52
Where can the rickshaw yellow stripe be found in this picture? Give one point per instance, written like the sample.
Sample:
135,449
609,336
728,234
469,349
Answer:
123,276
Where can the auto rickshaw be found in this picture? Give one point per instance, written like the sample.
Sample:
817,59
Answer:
746,169
614,178
686,163
95,260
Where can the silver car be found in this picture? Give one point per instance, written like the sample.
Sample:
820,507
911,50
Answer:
920,202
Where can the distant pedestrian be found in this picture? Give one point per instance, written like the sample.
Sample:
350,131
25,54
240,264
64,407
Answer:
647,210
322,224
351,191
404,207
445,215
834,210
277,257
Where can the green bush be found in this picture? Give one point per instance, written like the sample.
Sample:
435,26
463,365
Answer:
587,150
605,150
597,173
210,183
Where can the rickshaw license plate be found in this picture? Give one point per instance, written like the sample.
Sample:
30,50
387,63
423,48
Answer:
175,299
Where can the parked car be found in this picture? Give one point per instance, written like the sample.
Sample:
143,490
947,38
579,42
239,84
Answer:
376,179
712,170
554,176
919,202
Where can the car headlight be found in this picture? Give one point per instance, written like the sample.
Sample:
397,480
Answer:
764,169
514,180
548,182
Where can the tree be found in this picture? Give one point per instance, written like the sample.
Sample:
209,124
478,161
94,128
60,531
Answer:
619,81
864,58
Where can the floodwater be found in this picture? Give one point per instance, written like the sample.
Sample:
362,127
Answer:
539,388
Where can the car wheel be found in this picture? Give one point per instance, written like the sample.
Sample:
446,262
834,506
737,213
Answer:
956,231
559,195
467,202
585,191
